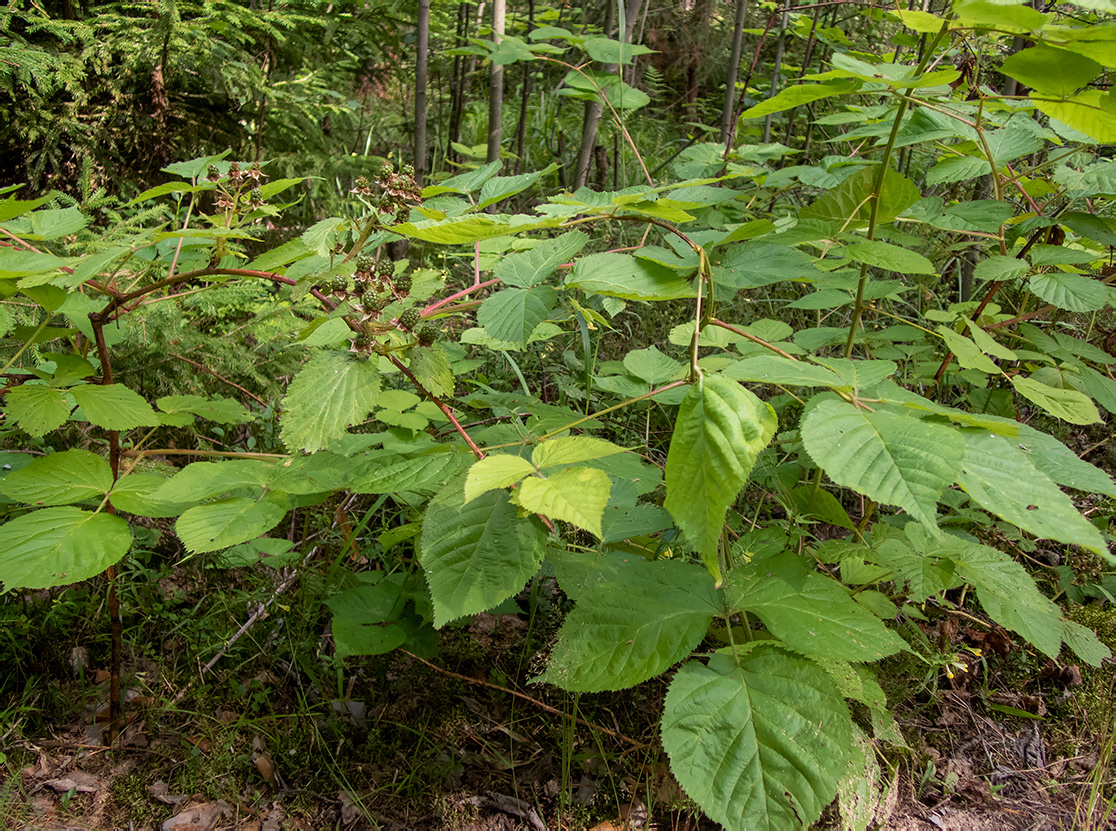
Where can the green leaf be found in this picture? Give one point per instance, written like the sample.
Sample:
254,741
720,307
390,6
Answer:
627,277
472,228
572,450
760,263
56,223
796,96
1000,478
220,410
218,525
59,546
391,472
634,627
1051,71
365,619
969,355
37,409
501,187
1061,464
431,366
606,50
775,369
59,479
1068,405
322,235
925,569
332,392
512,314
891,458
495,471
759,743
530,268
888,256
849,201
135,494
1071,292
476,554
1089,113
576,495
720,430
652,366
205,480
811,614
114,407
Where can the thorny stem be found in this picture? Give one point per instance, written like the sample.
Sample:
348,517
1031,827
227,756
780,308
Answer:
441,405
433,307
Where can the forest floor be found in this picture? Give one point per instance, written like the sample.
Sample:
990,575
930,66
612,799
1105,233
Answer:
1015,742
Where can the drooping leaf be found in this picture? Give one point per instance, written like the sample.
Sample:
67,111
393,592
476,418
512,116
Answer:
135,494
1000,478
811,614
720,430
476,554
332,392
1068,405
227,522
494,471
891,458
848,202
627,277
1071,292
391,472
204,480
1051,71
575,495
1087,112
219,410
892,257
800,94
633,627
431,367
775,369
760,743
366,619
572,450
59,546
59,479
114,407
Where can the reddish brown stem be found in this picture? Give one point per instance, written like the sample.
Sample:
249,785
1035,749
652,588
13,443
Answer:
441,405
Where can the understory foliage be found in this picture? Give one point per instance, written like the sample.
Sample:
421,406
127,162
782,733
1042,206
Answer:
823,441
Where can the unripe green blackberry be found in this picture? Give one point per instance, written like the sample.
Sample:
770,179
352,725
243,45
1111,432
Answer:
409,318
338,284
362,341
387,169
427,333
365,262
403,283
213,174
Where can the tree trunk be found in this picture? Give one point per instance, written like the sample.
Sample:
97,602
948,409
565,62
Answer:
734,70
423,47
525,98
595,109
459,81
496,88
780,46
